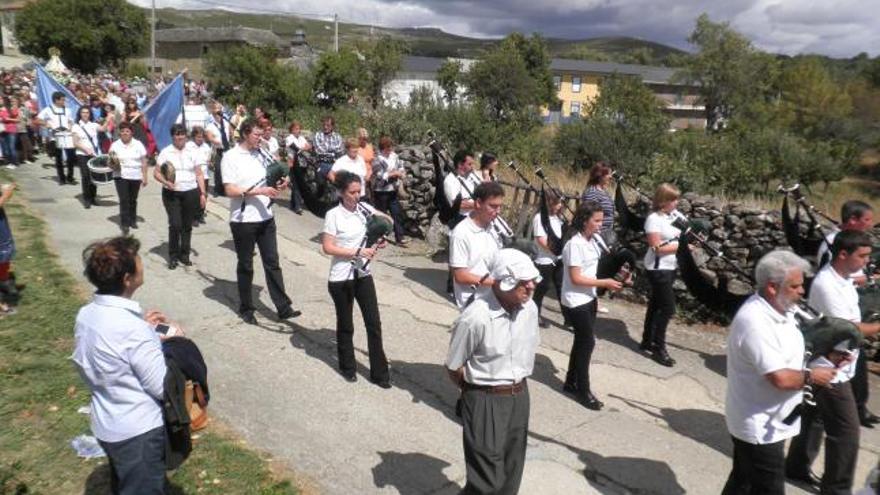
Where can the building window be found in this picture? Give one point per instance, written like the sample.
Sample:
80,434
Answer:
204,50
575,85
557,82
575,108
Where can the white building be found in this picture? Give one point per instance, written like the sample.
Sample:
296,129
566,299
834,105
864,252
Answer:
415,73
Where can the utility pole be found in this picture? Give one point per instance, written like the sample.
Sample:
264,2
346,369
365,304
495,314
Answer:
336,33
153,39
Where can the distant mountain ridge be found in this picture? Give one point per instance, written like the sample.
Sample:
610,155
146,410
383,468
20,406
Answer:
424,41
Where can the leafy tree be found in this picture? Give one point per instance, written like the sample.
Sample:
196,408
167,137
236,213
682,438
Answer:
382,60
536,56
90,33
810,98
732,74
449,77
337,75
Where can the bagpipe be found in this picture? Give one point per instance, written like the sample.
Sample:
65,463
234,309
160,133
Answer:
803,245
276,172
377,228
555,243
627,218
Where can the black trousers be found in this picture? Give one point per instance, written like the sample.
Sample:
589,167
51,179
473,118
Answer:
296,199
182,208
218,177
89,190
835,413
550,274
201,214
386,201
661,307
583,318
757,469
860,383
494,433
128,191
65,158
245,236
344,293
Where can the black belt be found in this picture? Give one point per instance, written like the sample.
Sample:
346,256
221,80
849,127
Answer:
514,389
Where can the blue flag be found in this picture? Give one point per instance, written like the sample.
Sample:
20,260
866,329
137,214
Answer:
46,85
164,110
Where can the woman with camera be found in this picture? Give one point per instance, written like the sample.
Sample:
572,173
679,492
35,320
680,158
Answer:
344,238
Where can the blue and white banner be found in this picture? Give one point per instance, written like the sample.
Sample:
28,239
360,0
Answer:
46,85
164,111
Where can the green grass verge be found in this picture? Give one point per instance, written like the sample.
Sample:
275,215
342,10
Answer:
40,392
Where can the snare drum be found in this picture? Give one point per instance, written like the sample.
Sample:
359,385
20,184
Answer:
64,140
99,173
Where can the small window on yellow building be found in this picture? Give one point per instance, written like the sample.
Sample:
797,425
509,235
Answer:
557,82
575,85
576,108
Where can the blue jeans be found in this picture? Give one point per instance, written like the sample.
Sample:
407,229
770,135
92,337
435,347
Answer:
8,142
137,465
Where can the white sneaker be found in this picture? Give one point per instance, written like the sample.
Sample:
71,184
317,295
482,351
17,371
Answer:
11,167
602,309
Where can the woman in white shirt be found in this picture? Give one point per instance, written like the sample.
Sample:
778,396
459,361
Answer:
183,198
295,142
352,162
202,153
548,258
660,264
86,138
387,174
132,175
580,258
119,356
345,228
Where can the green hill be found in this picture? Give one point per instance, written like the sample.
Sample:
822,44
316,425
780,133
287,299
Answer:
422,41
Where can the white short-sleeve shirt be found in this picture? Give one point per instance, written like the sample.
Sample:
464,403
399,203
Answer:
349,228
298,141
356,166
584,253
184,166
452,187
761,341
201,155
56,117
245,169
545,257
131,157
87,135
661,223
471,247
833,295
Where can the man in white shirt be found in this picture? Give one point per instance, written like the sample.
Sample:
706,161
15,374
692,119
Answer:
119,356
765,376
458,185
491,353
56,117
834,294
253,223
473,243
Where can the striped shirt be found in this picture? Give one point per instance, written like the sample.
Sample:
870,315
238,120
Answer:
593,193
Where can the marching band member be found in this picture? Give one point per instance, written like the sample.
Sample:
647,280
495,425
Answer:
488,164
201,152
183,197
580,259
55,118
86,135
833,293
660,264
218,133
352,162
454,187
549,264
253,223
131,177
295,142
765,376
345,228
473,243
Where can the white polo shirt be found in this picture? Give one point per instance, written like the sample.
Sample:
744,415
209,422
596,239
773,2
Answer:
545,257
836,296
452,187
119,356
245,169
761,341
661,223
201,155
55,117
356,166
131,157
86,134
584,253
494,346
298,141
349,228
184,167
471,247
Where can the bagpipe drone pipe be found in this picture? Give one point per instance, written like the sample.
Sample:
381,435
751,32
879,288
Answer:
802,243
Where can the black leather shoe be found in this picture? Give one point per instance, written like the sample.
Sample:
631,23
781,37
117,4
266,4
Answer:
808,479
591,402
288,312
662,357
351,378
186,262
386,384
88,205
544,323
866,423
868,417
569,388
172,264
298,211
646,346
249,318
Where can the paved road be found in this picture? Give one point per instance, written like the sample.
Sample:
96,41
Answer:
662,430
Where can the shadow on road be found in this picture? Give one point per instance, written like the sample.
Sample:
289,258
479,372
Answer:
428,384
225,292
622,474
700,425
412,473
713,362
431,278
162,250
615,331
321,345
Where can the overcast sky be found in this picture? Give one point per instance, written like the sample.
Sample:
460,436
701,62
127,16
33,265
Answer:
839,28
